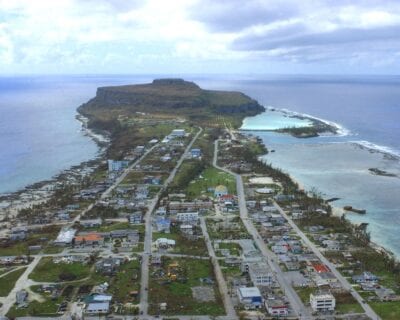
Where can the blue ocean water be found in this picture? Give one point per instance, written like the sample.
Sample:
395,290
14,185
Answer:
39,135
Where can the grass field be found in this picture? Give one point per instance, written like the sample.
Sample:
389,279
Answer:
386,310
178,294
48,271
8,281
210,178
234,248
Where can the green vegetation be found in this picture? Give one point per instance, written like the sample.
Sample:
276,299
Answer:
234,248
184,245
178,294
210,178
47,308
126,282
48,271
386,310
7,282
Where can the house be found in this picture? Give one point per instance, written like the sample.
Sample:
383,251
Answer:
161,211
108,266
195,153
178,133
386,294
365,277
186,228
322,302
187,217
165,243
114,165
18,233
276,307
21,298
220,191
92,223
163,225
250,297
320,268
135,218
260,274
89,239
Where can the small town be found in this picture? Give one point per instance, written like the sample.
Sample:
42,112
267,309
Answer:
188,225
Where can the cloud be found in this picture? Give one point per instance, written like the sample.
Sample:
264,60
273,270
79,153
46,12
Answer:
236,15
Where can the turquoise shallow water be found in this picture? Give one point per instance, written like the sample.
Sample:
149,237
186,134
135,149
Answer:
337,167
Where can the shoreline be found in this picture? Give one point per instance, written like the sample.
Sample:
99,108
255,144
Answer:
336,211
41,191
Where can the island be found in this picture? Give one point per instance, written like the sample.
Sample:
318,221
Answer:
179,219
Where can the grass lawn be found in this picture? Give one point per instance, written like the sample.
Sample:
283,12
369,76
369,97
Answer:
304,294
229,271
210,178
233,229
48,271
8,281
178,294
387,310
126,280
120,226
234,248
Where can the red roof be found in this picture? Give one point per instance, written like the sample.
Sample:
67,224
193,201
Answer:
320,268
227,196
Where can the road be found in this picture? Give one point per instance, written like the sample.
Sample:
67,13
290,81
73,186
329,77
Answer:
144,284
19,285
343,281
229,308
301,311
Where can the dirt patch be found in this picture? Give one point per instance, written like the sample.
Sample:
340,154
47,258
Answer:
203,294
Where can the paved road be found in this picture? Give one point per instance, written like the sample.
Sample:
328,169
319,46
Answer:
144,284
368,310
292,296
229,308
21,283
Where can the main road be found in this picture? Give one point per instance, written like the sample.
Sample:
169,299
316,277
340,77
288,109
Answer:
343,281
144,282
301,311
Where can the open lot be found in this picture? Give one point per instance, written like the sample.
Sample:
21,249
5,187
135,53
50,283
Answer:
8,281
48,271
178,294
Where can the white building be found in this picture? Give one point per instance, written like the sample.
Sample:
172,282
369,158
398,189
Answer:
321,302
250,297
187,217
276,307
178,133
260,274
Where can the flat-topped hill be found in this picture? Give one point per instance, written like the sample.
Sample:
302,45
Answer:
173,96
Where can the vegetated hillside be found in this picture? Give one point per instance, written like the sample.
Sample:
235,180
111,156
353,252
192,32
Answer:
170,96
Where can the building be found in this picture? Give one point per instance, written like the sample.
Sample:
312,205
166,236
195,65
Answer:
89,239
276,307
98,304
108,266
135,218
220,191
195,153
92,223
260,274
21,298
65,236
187,217
322,302
114,165
250,297
178,133
386,294
163,225
165,243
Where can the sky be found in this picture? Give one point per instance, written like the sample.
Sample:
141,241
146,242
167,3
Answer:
199,36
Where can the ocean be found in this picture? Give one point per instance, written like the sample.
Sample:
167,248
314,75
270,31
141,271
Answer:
39,135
